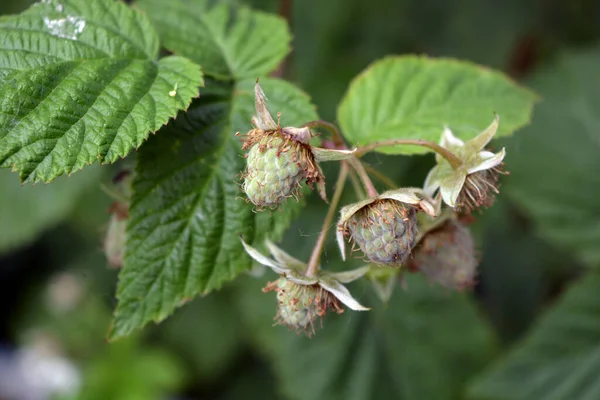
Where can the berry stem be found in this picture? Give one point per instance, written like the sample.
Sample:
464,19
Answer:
454,161
379,175
315,257
336,135
364,177
356,185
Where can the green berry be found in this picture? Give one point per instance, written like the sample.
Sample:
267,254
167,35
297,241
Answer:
447,256
385,231
275,170
299,305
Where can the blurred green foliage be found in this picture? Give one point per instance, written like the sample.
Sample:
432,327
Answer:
542,234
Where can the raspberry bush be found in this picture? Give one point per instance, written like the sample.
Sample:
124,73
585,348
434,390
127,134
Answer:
209,158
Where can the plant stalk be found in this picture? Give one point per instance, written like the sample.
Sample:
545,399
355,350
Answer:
356,185
380,176
315,257
447,154
364,176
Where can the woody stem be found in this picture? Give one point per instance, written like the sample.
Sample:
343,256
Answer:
315,258
447,154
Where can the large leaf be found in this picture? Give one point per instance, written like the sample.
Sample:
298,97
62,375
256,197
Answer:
424,345
512,257
188,210
561,357
26,210
228,41
415,97
79,83
563,144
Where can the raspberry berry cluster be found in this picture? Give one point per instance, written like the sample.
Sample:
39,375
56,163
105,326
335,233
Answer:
402,229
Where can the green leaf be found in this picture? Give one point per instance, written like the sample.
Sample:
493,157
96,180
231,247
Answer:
80,83
514,258
415,97
26,211
562,143
560,359
188,211
424,345
228,41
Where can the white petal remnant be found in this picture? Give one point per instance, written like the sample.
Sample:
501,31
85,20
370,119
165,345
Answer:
488,160
340,291
284,258
449,140
300,299
266,261
473,183
350,276
332,155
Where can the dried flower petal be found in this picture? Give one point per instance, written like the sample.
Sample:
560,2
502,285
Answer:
472,184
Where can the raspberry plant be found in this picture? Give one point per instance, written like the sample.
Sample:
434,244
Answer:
235,152
84,82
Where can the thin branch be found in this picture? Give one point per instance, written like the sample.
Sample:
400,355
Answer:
364,177
356,185
447,154
313,263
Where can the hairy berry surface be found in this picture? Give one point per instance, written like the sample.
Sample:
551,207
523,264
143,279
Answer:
385,231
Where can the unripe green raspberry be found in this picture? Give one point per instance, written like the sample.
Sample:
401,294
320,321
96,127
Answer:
447,256
299,305
275,171
385,230
280,158
277,163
